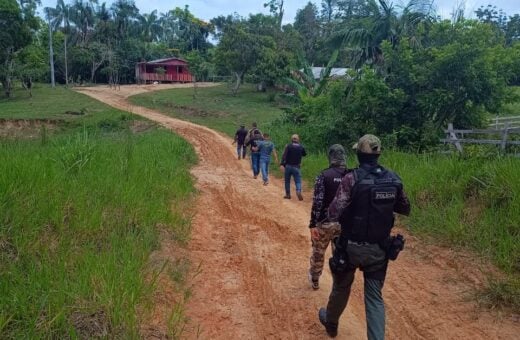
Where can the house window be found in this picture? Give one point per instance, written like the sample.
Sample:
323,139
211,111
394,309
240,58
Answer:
180,69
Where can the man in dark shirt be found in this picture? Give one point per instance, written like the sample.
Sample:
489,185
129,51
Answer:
322,230
364,205
255,154
291,162
240,137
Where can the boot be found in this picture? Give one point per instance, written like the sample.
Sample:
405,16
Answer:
332,329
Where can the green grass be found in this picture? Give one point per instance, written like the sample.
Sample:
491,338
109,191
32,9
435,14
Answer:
80,213
214,107
49,103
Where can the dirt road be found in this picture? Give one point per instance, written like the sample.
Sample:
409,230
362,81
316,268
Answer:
253,247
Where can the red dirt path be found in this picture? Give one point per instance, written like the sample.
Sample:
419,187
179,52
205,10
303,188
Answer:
253,247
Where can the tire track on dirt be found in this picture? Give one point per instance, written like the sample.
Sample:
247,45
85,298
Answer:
253,248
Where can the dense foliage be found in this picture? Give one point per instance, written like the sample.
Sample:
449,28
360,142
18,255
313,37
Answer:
410,75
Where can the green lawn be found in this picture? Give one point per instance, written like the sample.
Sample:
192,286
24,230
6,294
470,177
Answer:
55,104
81,210
214,106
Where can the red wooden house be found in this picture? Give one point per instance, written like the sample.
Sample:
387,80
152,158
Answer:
163,70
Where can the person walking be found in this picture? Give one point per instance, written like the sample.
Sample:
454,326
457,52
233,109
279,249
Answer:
291,162
265,149
322,230
252,132
364,205
240,137
252,143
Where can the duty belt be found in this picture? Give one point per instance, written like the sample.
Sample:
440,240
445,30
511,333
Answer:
360,243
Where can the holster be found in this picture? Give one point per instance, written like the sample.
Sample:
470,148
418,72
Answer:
338,263
393,245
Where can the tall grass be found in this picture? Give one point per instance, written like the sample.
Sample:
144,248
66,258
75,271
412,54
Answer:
79,216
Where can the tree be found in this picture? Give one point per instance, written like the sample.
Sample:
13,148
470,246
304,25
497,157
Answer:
51,47
308,25
31,65
15,34
83,16
457,79
327,9
491,15
125,15
150,26
513,30
277,10
60,15
237,52
372,22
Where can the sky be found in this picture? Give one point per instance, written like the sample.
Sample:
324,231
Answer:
207,9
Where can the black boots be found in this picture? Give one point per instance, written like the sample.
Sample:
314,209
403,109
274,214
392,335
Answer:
332,329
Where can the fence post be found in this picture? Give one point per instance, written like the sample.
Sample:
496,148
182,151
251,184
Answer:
505,134
454,138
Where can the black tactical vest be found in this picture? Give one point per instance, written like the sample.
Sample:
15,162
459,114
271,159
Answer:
331,180
370,216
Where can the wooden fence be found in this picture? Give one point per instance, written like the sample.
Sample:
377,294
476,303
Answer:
460,137
500,122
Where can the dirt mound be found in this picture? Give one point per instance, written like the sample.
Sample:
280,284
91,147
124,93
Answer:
253,249
27,128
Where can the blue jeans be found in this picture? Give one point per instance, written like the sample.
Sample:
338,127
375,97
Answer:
255,163
241,151
296,173
264,166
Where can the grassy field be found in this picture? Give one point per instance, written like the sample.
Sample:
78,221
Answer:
58,104
214,106
80,213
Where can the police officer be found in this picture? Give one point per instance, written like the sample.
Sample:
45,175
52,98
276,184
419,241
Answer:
364,205
322,230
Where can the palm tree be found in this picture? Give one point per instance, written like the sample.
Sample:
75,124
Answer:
83,15
377,21
48,11
125,14
150,26
61,16
105,24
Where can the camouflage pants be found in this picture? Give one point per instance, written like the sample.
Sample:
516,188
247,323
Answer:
328,231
